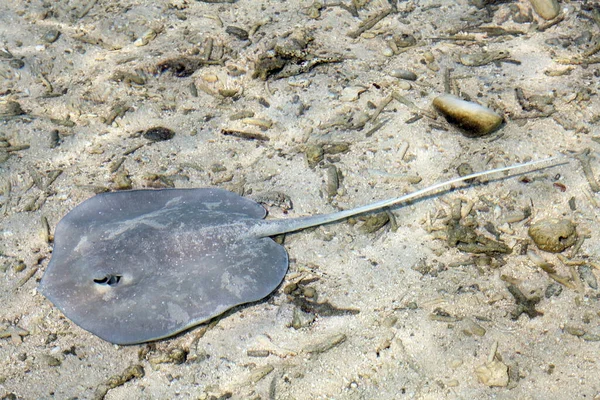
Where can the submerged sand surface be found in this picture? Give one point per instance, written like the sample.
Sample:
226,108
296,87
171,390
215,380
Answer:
89,76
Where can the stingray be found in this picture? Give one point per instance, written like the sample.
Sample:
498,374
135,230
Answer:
142,265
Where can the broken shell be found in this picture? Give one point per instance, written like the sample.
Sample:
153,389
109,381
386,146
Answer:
473,119
547,9
553,234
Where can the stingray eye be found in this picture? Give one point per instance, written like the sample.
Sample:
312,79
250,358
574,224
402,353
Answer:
108,280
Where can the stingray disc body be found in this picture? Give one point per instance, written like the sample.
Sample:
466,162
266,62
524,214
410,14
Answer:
141,265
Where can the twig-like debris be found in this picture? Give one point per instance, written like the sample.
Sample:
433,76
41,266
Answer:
133,149
377,127
592,50
27,277
245,135
369,23
325,309
551,23
398,97
578,60
584,159
14,332
87,9
118,110
326,345
381,107
136,371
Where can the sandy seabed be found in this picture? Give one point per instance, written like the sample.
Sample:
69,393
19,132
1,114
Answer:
79,81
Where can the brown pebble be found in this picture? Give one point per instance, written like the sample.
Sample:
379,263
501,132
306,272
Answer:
553,234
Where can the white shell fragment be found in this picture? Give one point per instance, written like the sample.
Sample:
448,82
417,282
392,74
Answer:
547,9
473,119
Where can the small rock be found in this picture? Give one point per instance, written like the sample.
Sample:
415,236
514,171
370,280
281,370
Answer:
403,74
475,329
493,373
159,133
574,330
335,148
146,38
122,181
239,33
554,289
10,109
404,40
54,138
51,36
332,181
389,321
309,292
373,222
301,319
464,169
314,154
473,119
387,52
16,63
50,360
587,275
552,234
547,9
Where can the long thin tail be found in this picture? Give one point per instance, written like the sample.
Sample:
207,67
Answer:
279,226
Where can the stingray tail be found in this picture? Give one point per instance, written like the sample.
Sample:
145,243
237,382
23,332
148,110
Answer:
267,228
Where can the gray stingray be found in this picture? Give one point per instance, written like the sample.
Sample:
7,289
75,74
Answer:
142,265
